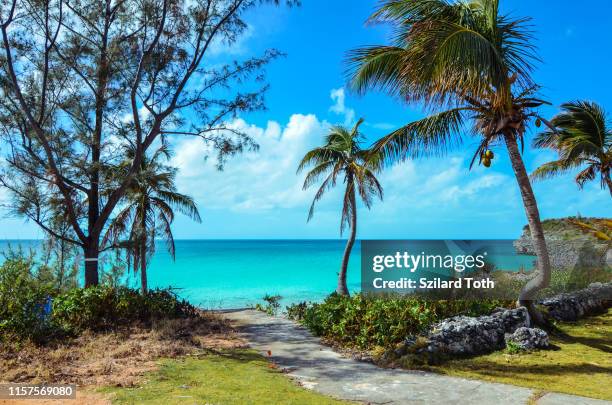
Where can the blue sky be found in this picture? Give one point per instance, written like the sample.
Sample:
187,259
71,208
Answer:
259,195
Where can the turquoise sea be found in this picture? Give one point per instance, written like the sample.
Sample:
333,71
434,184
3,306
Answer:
238,273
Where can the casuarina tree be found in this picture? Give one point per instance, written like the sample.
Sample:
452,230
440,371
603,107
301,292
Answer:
82,80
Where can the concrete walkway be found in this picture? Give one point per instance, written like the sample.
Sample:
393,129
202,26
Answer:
318,367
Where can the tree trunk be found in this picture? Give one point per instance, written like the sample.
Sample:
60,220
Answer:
342,287
143,257
542,277
609,184
93,208
91,264
143,274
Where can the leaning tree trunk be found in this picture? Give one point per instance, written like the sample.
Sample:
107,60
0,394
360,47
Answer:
609,184
342,287
542,277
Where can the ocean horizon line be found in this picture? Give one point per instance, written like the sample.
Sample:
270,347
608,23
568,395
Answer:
284,239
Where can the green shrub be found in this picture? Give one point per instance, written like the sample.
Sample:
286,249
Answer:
104,307
31,308
272,304
367,321
22,302
513,348
297,311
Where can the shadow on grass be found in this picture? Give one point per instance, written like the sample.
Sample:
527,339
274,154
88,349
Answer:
501,370
592,332
603,344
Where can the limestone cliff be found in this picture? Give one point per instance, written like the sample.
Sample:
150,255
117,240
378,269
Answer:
569,246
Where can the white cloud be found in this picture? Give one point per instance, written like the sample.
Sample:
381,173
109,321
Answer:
442,185
260,180
339,107
266,181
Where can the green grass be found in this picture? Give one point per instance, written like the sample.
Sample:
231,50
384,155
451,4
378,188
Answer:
230,377
581,363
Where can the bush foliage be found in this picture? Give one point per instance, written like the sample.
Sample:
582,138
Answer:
31,308
105,307
365,321
272,304
23,300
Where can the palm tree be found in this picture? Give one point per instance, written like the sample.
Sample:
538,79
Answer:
342,156
466,63
149,212
582,137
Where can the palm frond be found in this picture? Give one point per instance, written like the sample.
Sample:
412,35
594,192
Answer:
182,203
166,231
455,60
378,67
368,186
433,135
580,134
161,207
355,131
546,139
315,174
342,153
118,226
589,173
443,51
409,12
317,156
328,183
551,169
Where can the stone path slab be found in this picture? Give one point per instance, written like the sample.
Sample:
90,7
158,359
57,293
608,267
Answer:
318,367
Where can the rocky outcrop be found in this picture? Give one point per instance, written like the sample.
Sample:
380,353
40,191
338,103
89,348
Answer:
579,252
594,299
528,338
464,335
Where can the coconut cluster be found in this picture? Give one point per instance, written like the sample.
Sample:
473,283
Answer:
487,157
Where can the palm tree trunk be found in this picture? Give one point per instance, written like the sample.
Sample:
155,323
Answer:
143,256
143,269
342,287
542,277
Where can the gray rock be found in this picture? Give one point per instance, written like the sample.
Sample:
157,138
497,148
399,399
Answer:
529,338
596,298
464,335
